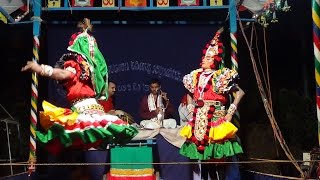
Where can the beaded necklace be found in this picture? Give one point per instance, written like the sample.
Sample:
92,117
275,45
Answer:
204,78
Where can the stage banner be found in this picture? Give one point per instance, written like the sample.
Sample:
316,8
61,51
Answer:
135,54
108,3
54,3
162,3
123,167
135,3
216,2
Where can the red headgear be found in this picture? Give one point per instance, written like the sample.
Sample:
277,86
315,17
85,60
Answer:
214,49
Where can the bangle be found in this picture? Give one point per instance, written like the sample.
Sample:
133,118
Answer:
232,109
46,70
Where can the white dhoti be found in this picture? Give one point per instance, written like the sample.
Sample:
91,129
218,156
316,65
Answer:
158,121
156,124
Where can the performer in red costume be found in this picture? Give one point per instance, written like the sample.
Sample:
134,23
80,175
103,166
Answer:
83,73
210,133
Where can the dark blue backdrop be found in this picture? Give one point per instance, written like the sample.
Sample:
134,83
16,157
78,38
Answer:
135,54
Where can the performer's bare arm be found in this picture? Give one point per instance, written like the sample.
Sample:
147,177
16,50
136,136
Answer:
189,99
238,96
57,73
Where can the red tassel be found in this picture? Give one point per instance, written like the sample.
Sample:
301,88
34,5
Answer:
201,148
204,51
213,66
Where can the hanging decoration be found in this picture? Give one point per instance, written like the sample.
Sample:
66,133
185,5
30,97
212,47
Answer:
265,11
3,18
188,2
135,3
162,3
54,3
270,10
216,2
108,3
82,3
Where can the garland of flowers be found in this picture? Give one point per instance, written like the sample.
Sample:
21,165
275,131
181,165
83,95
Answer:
220,79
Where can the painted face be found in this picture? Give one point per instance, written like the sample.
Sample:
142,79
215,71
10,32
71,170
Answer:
208,59
111,89
154,88
207,62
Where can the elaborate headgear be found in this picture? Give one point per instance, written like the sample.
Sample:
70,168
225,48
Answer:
214,49
84,44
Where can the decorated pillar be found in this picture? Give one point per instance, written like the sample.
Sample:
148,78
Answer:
234,48
316,47
34,87
233,34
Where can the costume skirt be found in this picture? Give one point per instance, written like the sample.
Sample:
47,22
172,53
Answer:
209,135
84,126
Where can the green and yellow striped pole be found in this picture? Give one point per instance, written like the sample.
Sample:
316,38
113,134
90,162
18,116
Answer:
316,48
34,88
234,51
34,108
234,48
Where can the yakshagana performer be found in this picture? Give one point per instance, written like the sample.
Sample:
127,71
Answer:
83,73
210,134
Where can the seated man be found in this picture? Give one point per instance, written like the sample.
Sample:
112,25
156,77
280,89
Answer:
108,104
156,109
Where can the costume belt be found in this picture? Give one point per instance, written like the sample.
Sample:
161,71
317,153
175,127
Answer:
90,107
77,100
87,104
219,108
219,113
212,103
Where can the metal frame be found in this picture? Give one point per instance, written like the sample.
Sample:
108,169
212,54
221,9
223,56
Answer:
38,9
231,8
8,121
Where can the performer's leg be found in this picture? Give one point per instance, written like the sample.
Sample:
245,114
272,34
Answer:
196,171
205,168
62,172
232,170
213,172
57,172
220,172
96,156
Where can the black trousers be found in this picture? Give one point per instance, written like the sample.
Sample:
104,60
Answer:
73,172
213,171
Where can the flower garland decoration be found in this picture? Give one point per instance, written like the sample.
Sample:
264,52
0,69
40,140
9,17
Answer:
221,80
